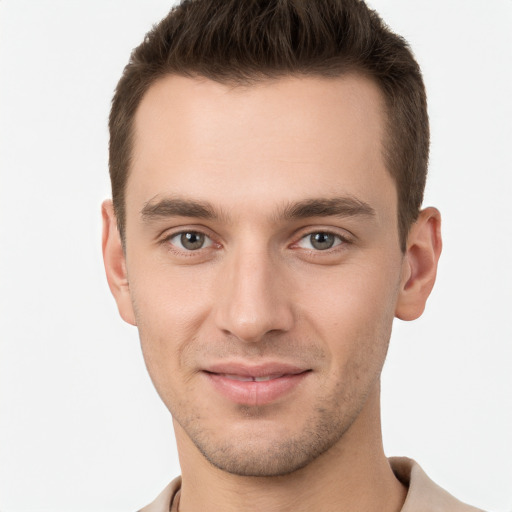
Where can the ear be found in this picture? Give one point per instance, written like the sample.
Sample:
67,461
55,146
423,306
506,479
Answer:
419,269
115,263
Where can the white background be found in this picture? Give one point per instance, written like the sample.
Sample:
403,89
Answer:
81,428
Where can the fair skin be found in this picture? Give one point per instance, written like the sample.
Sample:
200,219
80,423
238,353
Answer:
263,270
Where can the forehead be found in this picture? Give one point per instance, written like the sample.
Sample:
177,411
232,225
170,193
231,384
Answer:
290,137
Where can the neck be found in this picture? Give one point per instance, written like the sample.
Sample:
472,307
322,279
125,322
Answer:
353,475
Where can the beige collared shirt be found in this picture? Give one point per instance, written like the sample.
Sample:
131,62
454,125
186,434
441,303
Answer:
423,495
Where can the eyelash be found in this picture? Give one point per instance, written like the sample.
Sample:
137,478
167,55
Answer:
339,243
167,240
339,240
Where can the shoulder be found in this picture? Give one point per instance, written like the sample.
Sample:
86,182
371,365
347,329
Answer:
164,500
424,495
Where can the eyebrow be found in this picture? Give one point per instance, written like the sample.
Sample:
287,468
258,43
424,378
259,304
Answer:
346,206
176,207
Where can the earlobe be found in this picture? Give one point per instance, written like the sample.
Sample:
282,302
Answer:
115,263
419,269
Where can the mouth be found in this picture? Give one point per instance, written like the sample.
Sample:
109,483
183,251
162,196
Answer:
242,378
255,385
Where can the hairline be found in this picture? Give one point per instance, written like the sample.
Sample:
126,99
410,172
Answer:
250,80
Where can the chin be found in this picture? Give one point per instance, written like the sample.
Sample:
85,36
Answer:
276,459
269,451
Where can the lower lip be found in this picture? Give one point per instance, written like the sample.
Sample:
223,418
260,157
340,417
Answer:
253,392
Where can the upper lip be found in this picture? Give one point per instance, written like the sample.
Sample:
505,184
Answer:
254,370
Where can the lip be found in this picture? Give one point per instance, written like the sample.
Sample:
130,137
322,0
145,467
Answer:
255,384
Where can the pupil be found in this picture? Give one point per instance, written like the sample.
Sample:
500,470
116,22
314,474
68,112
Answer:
192,240
322,241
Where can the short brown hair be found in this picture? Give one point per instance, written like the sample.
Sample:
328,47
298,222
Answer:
243,41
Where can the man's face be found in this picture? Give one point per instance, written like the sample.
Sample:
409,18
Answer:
263,262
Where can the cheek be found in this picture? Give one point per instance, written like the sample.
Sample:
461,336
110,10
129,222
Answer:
169,310
352,311
170,300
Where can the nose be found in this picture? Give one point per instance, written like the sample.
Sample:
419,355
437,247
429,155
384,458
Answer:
253,299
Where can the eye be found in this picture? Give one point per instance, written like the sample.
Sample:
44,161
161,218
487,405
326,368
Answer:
320,241
190,240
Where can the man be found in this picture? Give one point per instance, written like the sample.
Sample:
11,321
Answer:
268,161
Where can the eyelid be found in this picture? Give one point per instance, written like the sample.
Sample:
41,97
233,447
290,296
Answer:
208,242
345,236
338,241
169,234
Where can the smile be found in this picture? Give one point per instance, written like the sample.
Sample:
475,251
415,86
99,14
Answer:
255,385
253,379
